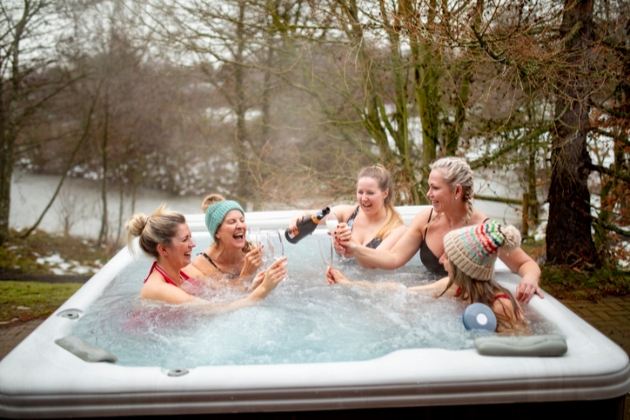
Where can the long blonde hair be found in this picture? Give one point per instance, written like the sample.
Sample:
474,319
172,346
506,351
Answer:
483,291
384,181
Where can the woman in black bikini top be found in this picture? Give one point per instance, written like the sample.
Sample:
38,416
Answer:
375,242
428,258
451,194
374,222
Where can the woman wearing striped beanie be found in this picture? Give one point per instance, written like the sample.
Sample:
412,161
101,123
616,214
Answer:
469,257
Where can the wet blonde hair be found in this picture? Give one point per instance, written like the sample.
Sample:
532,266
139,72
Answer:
384,181
484,291
158,228
457,171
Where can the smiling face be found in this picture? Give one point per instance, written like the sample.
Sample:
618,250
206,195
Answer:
369,196
440,193
231,233
179,251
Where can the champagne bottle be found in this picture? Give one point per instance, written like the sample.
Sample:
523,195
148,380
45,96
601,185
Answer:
306,226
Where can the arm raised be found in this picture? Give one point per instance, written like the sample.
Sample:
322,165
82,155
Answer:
400,253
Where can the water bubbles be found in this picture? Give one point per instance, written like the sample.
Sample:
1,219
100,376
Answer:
303,321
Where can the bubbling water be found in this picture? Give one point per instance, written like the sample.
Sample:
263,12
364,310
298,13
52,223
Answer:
303,321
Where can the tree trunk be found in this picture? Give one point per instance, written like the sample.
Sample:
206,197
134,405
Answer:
102,236
426,89
7,141
8,116
242,190
569,239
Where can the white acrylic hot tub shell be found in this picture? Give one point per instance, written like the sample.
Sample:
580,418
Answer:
40,379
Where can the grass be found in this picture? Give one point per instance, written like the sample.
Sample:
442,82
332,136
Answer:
24,301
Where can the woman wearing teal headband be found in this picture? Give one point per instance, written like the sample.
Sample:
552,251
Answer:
230,259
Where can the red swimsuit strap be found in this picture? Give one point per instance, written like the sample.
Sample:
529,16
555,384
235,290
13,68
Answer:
167,279
163,274
500,296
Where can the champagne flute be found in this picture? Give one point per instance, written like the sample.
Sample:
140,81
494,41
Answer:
276,248
253,234
256,238
331,223
326,250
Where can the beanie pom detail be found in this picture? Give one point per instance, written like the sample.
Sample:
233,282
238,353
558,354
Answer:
512,238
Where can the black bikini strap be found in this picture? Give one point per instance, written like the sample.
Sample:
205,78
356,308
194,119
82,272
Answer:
209,259
427,226
350,221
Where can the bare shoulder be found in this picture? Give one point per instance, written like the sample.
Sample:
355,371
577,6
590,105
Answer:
504,309
421,219
202,266
477,217
158,289
150,288
343,212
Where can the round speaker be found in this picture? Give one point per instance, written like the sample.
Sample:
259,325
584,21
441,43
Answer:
479,317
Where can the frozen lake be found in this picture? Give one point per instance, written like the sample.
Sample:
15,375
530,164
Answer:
79,202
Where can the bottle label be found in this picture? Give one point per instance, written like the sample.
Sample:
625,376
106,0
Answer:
293,233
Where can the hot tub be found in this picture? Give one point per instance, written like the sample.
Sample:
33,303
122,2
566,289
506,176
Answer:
39,379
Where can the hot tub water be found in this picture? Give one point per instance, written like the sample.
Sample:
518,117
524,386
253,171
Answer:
303,321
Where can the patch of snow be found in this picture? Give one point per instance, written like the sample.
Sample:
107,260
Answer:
53,259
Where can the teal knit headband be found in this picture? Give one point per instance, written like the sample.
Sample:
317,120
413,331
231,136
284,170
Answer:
216,212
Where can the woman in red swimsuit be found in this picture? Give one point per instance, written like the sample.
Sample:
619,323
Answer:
451,194
373,222
165,236
469,257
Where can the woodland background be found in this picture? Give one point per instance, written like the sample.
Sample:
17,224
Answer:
282,101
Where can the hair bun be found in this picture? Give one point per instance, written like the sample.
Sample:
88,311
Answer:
136,223
210,200
512,238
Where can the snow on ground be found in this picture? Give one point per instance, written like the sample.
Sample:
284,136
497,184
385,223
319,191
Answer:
61,267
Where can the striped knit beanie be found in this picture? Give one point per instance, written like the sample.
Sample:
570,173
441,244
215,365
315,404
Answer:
474,249
216,212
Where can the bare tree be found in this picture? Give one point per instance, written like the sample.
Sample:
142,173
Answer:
24,85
